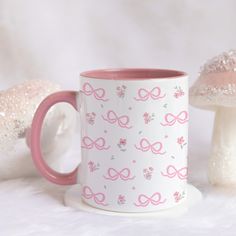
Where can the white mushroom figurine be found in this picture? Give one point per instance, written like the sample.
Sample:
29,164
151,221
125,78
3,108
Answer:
215,89
17,107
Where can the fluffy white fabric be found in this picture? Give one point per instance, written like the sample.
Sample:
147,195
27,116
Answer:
56,40
35,207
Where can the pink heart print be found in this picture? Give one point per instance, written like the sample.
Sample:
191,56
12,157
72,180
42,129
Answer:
145,145
171,119
98,93
172,171
113,118
99,143
98,198
144,200
124,174
144,94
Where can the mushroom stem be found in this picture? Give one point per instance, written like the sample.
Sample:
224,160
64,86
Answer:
222,162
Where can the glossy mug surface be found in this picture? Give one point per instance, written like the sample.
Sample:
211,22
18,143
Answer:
134,133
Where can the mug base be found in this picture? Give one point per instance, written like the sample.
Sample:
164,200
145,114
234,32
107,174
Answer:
72,199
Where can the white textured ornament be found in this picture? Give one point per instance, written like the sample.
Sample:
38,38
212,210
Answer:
222,162
224,62
215,89
216,84
17,107
73,199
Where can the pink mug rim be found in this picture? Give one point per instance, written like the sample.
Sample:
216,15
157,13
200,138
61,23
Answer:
133,74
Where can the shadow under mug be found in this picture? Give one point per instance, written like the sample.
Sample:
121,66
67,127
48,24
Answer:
134,133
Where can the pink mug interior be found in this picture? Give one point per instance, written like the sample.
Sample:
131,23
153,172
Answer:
133,74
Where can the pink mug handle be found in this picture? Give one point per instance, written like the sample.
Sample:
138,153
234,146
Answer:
44,169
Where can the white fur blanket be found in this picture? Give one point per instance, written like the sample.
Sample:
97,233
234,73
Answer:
35,207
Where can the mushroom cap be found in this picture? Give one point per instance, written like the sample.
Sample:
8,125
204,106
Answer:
17,107
216,84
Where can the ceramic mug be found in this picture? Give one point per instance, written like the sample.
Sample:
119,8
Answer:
134,132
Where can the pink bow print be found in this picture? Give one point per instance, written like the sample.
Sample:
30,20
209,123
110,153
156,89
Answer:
144,201
145,145
98,93
124,174
171,119
113,118
171,172
144,94
99,143
99,198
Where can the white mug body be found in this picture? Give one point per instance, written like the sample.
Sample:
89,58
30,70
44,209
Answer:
134,134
